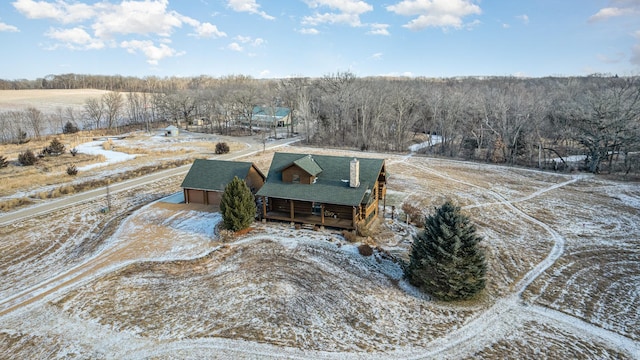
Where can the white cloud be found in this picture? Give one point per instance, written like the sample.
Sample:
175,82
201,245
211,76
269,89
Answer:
524,18
435,13
265,73
249,6
618,8
250,41
235,47
135,17
606,13
621,8
346,6
309,31
207,30
347,12
8,28
76,38
377,56
152,52
60,11
110,19
379,29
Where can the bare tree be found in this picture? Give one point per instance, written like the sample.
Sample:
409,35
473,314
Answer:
94,110
113,105
35,119
603,117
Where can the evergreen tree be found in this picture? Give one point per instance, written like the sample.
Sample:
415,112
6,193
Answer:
237,206
445,259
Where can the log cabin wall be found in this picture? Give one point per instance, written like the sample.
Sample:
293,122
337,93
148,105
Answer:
254,180
289,174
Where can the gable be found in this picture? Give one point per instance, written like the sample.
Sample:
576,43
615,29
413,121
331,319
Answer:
214,175
308,164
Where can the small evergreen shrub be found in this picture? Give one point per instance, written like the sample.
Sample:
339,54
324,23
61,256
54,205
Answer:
55,148
222,148
69,128
3,162
27,158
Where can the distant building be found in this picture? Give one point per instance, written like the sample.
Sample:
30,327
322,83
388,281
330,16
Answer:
206,180
271,116
171,130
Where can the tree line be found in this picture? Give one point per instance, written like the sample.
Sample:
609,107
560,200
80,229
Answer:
538,122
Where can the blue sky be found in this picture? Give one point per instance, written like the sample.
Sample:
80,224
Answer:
281,38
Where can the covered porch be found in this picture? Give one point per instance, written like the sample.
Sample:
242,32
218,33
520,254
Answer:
309,213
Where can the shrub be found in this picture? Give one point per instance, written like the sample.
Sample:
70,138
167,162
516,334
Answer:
72,170
350,236
222,148
3,162
69,128
27,158
365,250
412,212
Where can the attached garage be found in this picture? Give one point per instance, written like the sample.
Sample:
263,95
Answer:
206,180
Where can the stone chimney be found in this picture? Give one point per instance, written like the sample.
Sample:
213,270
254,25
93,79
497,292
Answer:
354,173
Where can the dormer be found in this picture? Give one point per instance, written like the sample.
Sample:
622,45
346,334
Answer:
302,171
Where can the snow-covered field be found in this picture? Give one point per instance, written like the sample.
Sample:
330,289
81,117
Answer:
155,281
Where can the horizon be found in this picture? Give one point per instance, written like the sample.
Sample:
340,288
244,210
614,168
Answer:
312,38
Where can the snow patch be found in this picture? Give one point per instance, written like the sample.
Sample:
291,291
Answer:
435,139
95,148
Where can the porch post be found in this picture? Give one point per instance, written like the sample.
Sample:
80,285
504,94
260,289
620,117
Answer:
291,212
322,214
264,207
186,196
353,217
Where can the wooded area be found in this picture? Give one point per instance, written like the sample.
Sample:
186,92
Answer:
536,122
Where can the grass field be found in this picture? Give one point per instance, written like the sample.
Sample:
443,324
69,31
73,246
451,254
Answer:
156,281
47,101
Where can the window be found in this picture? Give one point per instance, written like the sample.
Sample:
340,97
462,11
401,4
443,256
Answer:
295,178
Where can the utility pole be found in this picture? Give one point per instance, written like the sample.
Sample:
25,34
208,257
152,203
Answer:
108,197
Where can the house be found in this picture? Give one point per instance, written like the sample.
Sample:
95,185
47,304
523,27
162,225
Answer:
171,130
206,180
334,191
271,116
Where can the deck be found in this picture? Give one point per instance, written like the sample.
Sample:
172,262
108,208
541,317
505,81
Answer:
311,219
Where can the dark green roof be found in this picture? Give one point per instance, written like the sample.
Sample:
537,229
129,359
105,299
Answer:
332,184
307,164
214,175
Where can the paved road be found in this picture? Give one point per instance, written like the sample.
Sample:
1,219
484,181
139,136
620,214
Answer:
61,203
